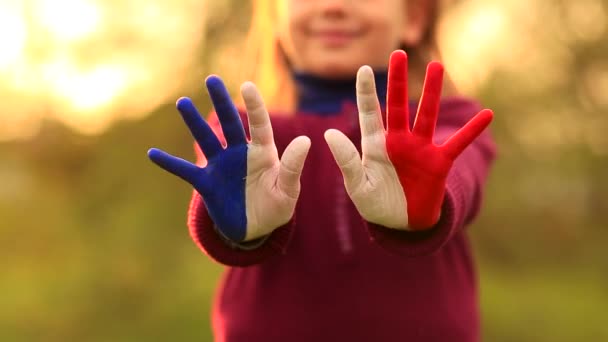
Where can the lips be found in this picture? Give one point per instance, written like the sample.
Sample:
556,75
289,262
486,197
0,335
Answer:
335,37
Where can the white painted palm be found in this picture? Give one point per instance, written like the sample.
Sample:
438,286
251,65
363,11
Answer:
371,179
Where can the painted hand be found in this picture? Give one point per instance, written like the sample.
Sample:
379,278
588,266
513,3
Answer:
400,181
247,189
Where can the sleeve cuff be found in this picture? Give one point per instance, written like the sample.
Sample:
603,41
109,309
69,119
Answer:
203,232
247,245
426,242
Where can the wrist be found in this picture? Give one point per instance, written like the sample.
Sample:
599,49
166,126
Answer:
243,245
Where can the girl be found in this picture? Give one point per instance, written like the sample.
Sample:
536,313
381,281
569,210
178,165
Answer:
357,232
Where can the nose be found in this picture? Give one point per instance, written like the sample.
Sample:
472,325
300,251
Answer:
334,8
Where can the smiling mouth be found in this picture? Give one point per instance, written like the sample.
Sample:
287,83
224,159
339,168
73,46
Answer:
335,38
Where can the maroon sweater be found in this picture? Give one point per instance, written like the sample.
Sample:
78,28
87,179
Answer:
330,276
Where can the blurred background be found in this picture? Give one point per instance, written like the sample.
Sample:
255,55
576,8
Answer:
93,241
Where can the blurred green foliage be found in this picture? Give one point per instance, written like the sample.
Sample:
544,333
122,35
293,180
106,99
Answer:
94,245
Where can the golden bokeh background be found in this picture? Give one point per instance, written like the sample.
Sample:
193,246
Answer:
93,242
88,63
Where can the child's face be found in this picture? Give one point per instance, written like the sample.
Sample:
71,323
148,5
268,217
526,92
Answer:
333,38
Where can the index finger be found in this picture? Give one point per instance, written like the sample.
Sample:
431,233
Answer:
370,118
260,128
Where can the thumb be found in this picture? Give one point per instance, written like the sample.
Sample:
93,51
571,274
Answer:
347,157
292,162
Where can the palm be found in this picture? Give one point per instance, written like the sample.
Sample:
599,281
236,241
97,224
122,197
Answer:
247,190
402,174
263,181
370,179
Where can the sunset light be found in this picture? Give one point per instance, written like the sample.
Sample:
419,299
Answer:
13,35
78,60
68,20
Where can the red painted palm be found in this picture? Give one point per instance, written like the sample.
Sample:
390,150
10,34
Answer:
400,180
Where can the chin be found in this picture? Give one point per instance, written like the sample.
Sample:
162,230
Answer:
336,70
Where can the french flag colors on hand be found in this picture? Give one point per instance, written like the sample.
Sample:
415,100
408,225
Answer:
421,165
399,182
247,189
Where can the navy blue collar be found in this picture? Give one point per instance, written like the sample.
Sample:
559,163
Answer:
325,97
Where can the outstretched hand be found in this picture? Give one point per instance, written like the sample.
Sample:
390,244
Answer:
247,189
400,180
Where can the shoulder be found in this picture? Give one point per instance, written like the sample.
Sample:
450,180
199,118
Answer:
458,108
458,103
